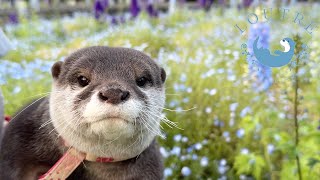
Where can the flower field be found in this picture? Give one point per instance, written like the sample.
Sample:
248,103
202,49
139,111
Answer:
235,121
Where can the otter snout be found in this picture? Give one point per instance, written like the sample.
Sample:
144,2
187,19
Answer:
113,95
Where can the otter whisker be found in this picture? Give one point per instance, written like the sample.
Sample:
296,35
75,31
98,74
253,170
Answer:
150,128
166,120
26,108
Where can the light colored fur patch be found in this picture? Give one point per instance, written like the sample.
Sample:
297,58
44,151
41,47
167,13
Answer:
91,130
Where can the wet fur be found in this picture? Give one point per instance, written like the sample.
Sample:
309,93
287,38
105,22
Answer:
29,151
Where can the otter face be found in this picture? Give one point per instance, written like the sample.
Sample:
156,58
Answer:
108,101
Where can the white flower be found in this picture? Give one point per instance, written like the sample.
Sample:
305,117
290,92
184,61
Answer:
208,110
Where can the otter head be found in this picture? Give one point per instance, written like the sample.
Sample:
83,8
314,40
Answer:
107,101
288,44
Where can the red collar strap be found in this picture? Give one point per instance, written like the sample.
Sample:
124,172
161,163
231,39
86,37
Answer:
69,162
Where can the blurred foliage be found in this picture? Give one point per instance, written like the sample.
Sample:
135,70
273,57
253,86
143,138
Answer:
234,132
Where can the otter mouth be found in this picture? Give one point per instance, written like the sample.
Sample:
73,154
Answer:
110,118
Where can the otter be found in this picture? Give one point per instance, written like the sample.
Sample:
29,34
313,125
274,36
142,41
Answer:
105,101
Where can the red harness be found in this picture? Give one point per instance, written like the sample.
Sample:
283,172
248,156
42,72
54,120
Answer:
69,162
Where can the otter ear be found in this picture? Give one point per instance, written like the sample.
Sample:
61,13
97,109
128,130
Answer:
56,69
163,75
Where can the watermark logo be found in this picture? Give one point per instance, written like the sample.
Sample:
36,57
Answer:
257,48
278,58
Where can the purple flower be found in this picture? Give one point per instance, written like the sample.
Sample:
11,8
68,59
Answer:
49,2
259,73
182,1
114,20
222,2
246,3
13,18
99,7
134,8
150,9
202,3
122,19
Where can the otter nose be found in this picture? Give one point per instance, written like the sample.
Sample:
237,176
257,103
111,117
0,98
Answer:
114,96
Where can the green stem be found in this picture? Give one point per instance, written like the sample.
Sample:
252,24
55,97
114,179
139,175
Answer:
296,123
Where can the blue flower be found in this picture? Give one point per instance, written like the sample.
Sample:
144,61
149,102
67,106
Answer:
189,149
204,161
164,152
16,90
177,137
185,100
183,77
176,151
244,151
194,157
184,139
233,106
245,111
223,162
260,74
186,171
167,172
222,169
198,146
270,148
240,133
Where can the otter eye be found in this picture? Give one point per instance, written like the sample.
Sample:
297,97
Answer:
83,81
141,81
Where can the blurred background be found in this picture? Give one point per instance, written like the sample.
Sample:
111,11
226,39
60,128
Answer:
237,119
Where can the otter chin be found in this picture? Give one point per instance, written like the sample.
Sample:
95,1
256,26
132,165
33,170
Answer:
104,101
